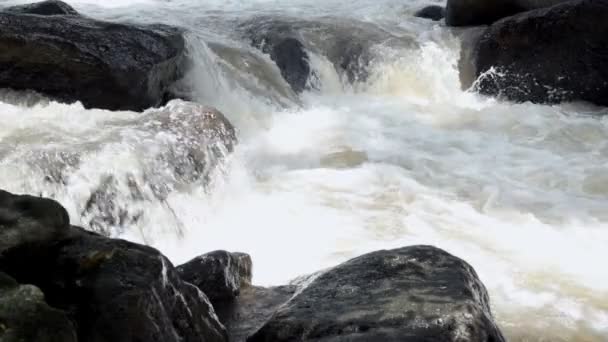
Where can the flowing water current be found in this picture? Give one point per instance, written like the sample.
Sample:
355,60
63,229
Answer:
403,157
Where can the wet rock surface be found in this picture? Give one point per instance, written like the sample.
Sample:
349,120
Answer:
433,12
548,55
30,221
418,293
184,143
346,44
485,12
219,274
48,7
74,58
284,46
252,308
113,290
25,316
88,287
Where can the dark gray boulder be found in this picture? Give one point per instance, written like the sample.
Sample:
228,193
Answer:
220,275
252,308
433,12
25,316
479,12
113,290
30,221
548,55
418,293
48,7
485,12
104,65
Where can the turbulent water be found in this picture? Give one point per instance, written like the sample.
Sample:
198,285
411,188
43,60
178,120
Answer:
405,157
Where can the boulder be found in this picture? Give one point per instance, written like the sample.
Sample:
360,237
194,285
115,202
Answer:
283,45
185,142
432,12
418,293
113,290
48,7
30,221
252,308
548,55
201,137
351,57
103,65
485,12
25,316
220,275
346,43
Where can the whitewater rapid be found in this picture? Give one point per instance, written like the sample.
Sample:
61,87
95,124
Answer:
519,191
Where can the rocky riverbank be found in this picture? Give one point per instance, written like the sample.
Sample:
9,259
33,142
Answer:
542,51
75,285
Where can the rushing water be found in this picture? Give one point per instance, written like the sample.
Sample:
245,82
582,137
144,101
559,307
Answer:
520,191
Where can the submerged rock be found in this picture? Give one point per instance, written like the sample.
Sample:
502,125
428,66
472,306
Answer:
48,7
220,275
25,316
201,137
485,12
433,12
113,290
181,144
418,293
282,44
105,211
104,65
346,44
547,56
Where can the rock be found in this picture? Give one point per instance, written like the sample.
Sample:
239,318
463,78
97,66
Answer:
220,275
281,43
185,142
548,55
346,43
201,137
105,211
30,221
479,12
350,57
350,45
48,7
113,290
25,316
432,12
418,293
104,65
485,12
121,291
251,309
